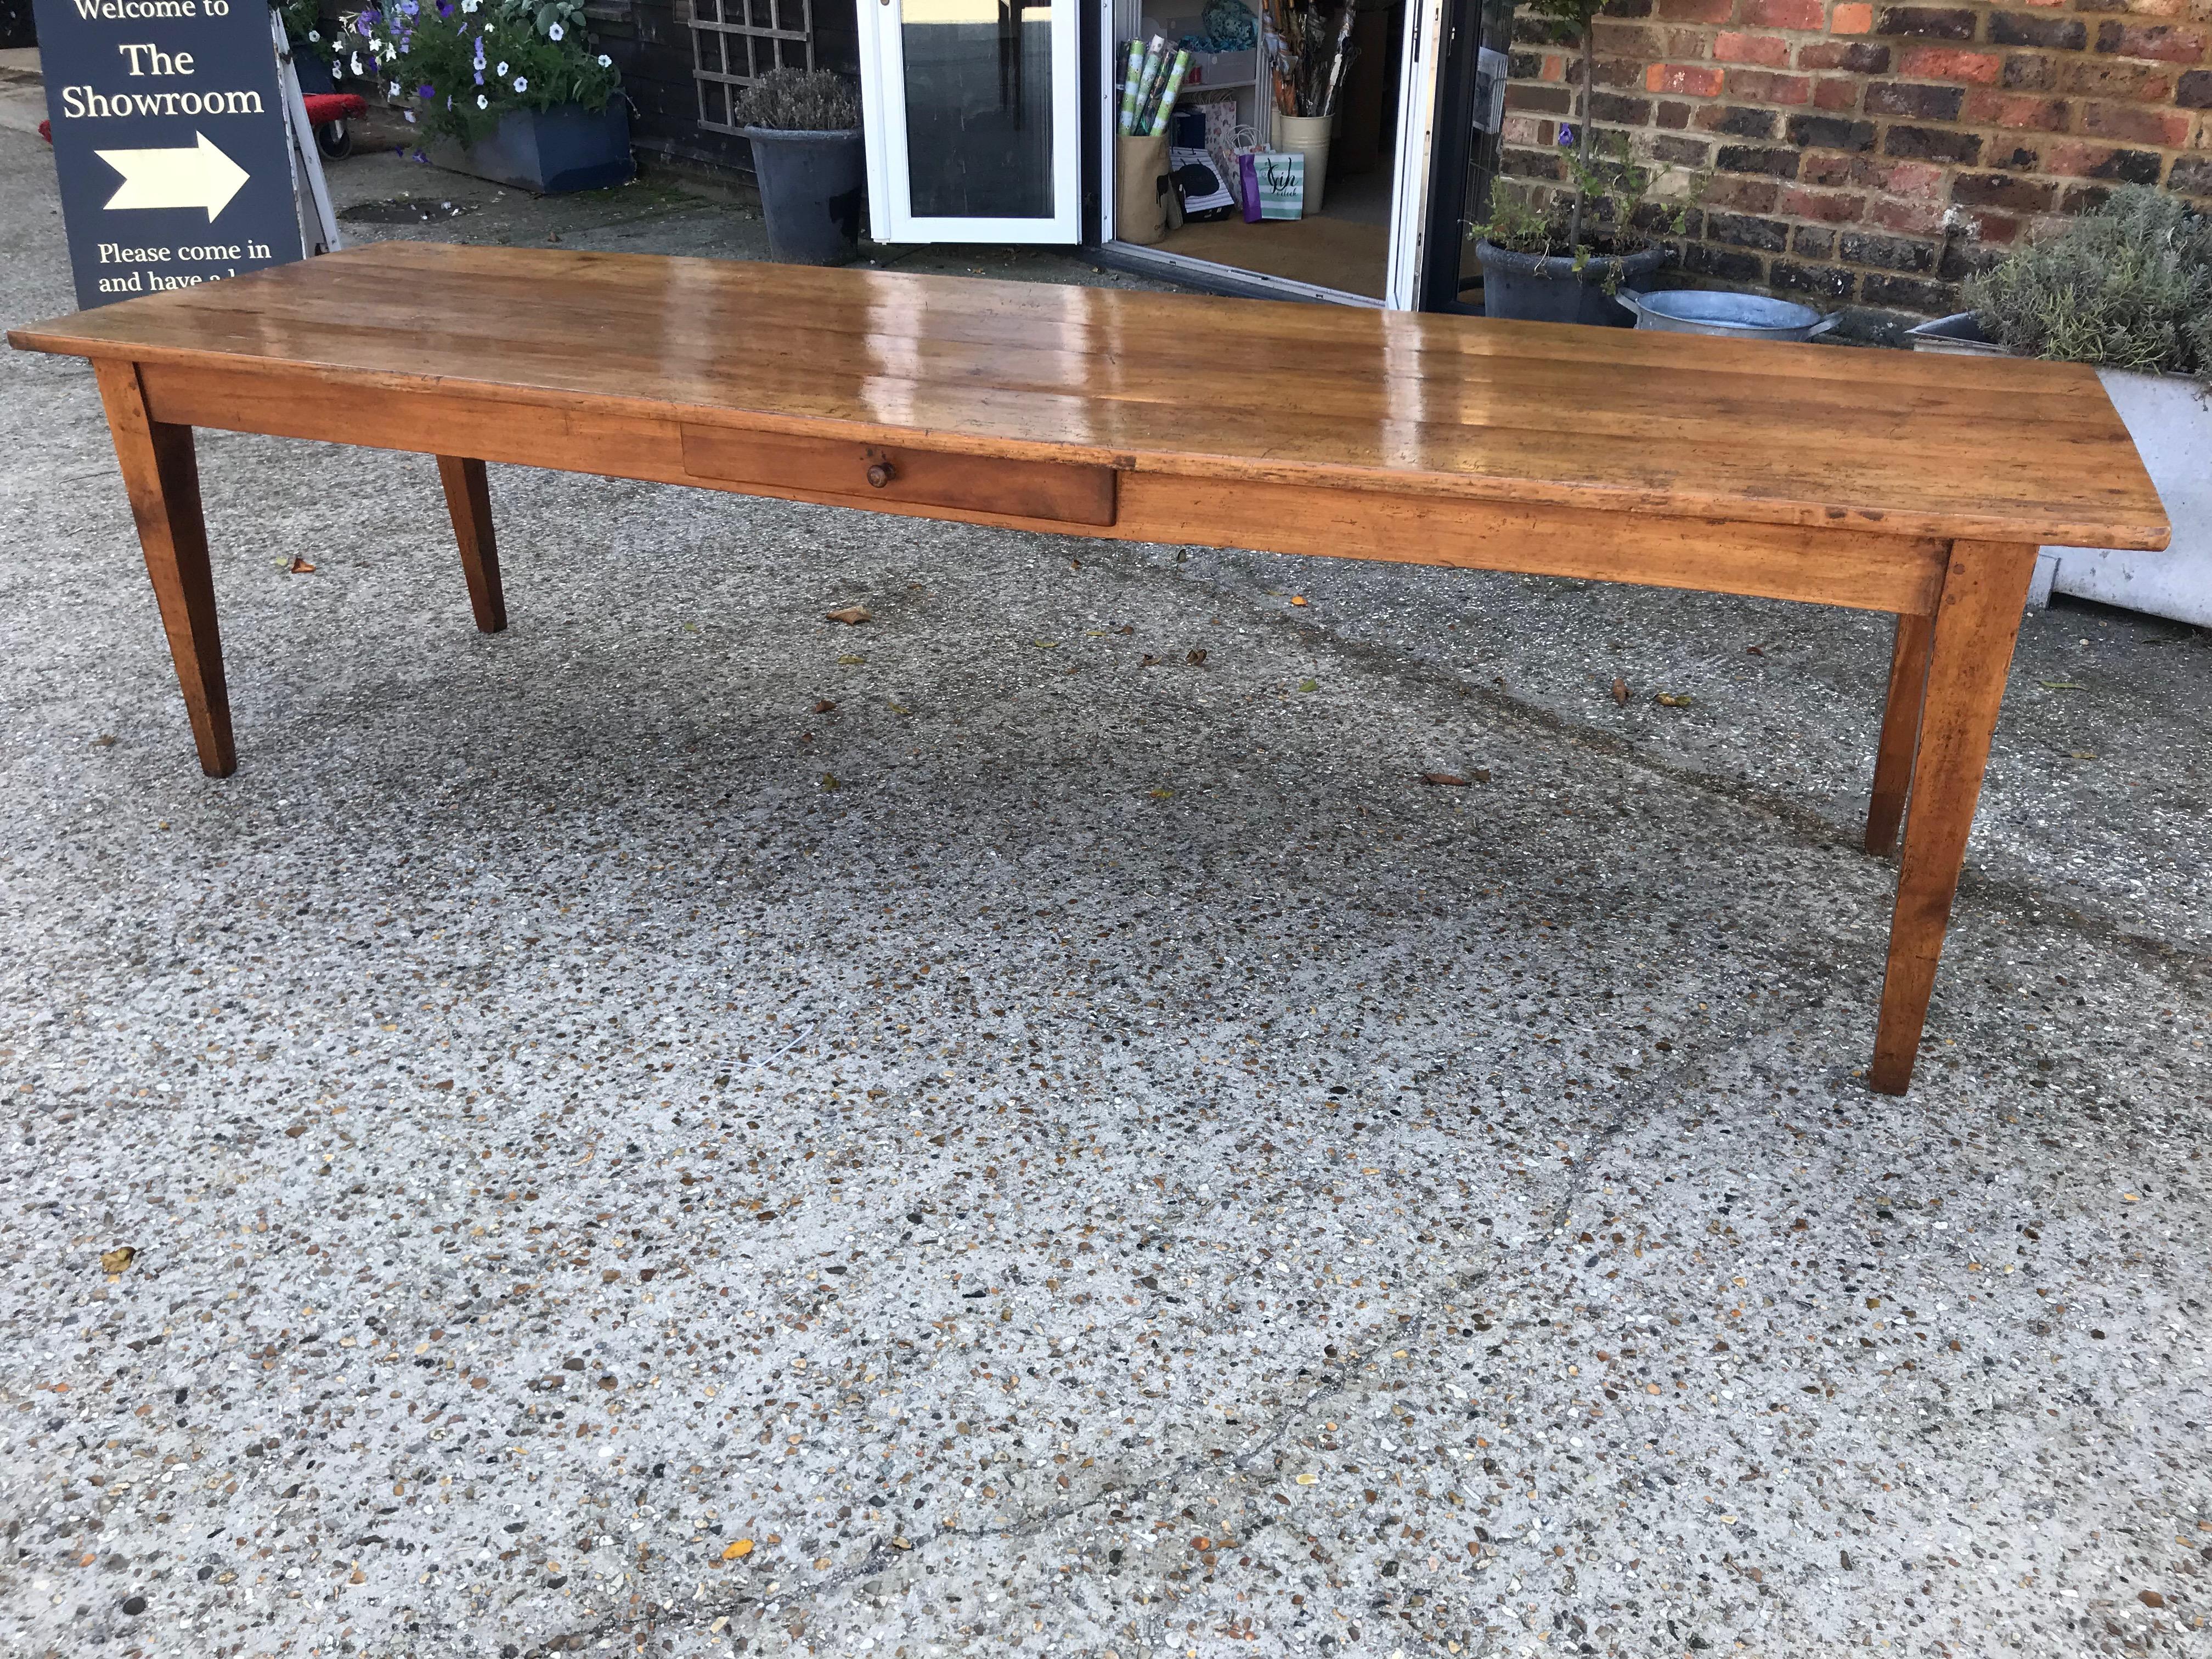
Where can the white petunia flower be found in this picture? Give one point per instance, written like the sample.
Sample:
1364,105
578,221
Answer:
502,69
313,38
605,62
555,33
521,83
482,102
356,63
395,88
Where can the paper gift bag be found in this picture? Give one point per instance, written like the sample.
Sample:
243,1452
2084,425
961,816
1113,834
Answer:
1280,179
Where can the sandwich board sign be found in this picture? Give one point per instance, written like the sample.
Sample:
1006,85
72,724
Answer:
171,140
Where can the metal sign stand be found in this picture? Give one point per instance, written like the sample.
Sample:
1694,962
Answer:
319,225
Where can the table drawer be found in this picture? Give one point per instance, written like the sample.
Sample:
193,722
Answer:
1071,492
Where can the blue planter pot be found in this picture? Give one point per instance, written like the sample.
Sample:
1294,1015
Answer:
314,72
550,151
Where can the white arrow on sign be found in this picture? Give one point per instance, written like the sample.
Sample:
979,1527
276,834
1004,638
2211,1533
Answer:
199,176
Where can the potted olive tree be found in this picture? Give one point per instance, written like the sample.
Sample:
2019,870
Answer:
508,90
804,129
2126,287
1564,260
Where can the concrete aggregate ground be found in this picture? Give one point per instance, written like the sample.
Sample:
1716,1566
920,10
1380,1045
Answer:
689,1128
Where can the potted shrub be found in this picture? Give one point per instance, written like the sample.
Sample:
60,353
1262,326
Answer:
1543,265
508,90
303,28
804,129
2126,287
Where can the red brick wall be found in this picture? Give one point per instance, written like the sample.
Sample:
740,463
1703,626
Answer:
1873,155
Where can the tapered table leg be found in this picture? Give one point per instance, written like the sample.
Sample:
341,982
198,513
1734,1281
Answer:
1976,624
468,498
1900,731
162,477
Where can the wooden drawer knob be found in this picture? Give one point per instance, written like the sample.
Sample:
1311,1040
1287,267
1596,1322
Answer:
881,473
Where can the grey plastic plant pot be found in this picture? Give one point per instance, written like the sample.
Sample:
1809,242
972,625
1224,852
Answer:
1536,288
811,185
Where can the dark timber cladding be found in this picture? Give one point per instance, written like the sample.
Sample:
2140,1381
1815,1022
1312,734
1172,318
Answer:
651,42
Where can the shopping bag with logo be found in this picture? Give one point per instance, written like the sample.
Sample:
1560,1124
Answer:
1277,181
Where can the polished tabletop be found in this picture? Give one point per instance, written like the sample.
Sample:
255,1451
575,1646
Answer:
1996,449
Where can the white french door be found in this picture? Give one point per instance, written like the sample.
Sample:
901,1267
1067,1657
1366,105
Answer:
971,108
1411,167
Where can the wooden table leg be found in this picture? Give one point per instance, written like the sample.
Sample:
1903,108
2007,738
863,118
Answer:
163,479
1976,624
1900,731
468,498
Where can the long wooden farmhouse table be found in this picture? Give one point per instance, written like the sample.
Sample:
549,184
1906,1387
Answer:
1917,485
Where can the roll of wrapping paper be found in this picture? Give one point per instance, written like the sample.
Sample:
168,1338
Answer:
1133,66
1148,78
1168,90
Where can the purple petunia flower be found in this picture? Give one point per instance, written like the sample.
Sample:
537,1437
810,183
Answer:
426,90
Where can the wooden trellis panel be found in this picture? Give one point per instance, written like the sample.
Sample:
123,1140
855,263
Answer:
735,42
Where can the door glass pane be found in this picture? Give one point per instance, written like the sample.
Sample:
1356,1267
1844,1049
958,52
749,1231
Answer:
978,108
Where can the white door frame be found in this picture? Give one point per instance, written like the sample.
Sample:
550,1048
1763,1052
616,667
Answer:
891,217
1416,127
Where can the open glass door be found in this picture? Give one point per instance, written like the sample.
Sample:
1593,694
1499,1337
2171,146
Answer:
972,109
1361,232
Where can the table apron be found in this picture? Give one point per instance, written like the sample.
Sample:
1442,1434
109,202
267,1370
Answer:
1854,568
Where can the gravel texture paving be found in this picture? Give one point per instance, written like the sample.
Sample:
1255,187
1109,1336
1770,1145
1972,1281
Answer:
688,1127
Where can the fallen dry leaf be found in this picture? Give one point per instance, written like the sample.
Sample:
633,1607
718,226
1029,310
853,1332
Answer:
1620,689
829,781
1672,700
1754,650
300,566
1445,780
115,1260
1162,794
1127,627
1309,685
1197,658
851,615
1046,644
103,741
1297,599
738,1551
824,706
850,662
